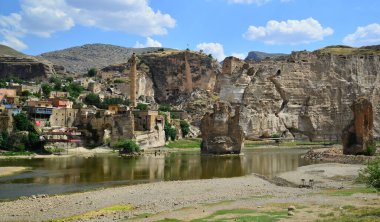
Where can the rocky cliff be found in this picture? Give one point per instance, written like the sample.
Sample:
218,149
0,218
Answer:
175,73
304,94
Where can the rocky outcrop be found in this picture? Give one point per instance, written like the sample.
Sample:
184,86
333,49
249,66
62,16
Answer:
221,132
174,72
27,68
357,137
304,95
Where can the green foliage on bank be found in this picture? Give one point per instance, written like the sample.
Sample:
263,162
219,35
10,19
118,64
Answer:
370,175
126,146
185,128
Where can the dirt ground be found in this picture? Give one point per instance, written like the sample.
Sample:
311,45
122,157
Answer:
249,197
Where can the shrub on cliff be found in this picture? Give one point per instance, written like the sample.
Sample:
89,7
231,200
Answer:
185,127
126,146
371,173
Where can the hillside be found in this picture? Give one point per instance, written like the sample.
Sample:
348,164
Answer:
8,51
81,58
257,56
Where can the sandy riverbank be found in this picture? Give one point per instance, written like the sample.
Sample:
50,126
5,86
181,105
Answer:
7,171
166,199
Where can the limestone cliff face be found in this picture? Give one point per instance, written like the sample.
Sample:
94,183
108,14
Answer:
304,94
24,68
174,73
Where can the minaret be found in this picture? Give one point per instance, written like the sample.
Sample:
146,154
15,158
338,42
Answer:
189,80
132,93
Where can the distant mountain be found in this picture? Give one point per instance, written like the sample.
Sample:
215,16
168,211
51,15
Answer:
8,51
81,58
257,56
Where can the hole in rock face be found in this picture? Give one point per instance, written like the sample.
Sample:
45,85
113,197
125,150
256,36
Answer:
278,72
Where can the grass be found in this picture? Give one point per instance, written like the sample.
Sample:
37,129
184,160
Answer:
254,144
348,192
5,50
13,153
185,143
96,213
243,215
363,214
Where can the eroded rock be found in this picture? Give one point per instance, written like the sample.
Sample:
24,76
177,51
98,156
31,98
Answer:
221,132
357,137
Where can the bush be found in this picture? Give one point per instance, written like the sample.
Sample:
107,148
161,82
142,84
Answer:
92,99
371,173
185,127
142,106
92,72
371,150
46,89
22,123
164,108
126,146
74,89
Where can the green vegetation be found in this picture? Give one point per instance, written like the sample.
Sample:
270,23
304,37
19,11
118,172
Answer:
244,215
185,127
22,123
348,192
92,99
3,83
5,50
371,150
46,89
353,214
92,72
164,108
119,81
370,175
142,106
170,131
126,146
74,89
185,143
113,101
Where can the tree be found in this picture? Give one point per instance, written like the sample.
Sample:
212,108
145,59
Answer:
164,108
185,127
74,89
26,93
126,146
92,99
69,79
3,83
46,89
22,123
371,173
92,72
113,101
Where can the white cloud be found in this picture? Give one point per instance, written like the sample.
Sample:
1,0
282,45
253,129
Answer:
149,43
45,17
215,49
364,35
248,2
239,55
291,32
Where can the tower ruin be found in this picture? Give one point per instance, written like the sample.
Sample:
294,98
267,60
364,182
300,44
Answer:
132,93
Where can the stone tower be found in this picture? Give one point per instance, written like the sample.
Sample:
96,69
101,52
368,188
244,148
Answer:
132,93
189,80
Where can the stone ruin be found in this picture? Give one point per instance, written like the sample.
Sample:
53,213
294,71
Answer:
357,137
221,132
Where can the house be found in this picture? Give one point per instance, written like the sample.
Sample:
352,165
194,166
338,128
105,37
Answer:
8,96
147,120
61,103
40,111
94,87
63,117
58,94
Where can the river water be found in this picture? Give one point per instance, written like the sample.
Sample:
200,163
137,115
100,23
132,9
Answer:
73,174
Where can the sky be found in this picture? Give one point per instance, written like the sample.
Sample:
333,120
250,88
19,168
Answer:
219,27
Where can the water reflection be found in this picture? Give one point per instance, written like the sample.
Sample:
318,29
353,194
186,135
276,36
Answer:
60,175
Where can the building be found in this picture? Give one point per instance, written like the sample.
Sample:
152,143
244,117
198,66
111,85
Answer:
63,117
58,94
40,111
9,96
94,87
61,103
147,120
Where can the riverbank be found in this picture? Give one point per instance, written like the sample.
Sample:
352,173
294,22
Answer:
194,199
79,151
7,171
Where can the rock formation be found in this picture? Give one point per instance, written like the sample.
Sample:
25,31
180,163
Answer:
24,67
132,94
357,137
221,132
304,95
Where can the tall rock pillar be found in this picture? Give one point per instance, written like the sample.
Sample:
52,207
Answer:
132,93
189,80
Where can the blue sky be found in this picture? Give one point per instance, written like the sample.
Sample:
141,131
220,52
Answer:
220,27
